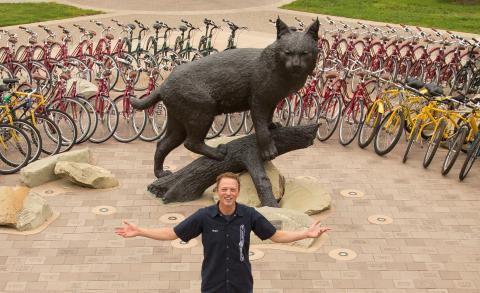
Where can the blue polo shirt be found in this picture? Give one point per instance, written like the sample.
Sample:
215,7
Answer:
226,267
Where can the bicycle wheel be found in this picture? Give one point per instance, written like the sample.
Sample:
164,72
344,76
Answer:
389,133
296,108
218,125
235,122
459,83
40,69
156,122
5,72
370,126
282,112
107,114
454,149
351,120
328,117
50,134
248,123
15,149
68,129
76,108
34,137
471,157
412,138
433,143
309,110
131,122
93,119
20,72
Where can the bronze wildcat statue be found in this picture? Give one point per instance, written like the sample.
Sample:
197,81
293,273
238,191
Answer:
232,81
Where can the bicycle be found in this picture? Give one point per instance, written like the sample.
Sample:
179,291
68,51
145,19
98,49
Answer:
131,122
105,109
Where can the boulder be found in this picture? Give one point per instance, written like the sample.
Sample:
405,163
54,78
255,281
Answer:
11,202
305,194
248,194
288,220
86,175
42,171
34,213
84,88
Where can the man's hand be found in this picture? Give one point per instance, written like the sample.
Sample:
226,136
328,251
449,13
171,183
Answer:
130,230
316,230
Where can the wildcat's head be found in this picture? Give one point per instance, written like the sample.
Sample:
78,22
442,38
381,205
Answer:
297,51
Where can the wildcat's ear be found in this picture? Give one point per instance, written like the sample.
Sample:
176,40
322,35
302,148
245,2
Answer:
282,28
313,30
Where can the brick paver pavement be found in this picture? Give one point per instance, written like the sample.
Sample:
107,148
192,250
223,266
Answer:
432,245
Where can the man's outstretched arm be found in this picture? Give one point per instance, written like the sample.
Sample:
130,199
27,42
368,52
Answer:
315,231
131,230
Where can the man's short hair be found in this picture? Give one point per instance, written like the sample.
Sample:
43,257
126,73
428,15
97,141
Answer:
227,175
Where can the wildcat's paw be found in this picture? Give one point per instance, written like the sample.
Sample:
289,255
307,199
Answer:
270,152
219,153
162,173
274,125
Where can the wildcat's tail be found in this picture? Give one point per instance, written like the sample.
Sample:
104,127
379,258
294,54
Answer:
151,100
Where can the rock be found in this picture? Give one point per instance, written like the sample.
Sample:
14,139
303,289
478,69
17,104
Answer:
305,194
41,171
11,202
86,175
84,88
288,220
248,194
35,212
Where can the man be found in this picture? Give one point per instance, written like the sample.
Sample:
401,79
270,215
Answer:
225,229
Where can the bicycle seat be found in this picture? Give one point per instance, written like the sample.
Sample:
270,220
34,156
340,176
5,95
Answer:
434,90
353,36
157,26
65,75
335,35
10,81
107,73
460,98
154,71
331,75
131,26
132,74
123,61
38,77
32,40
109,36
384,39
12,40
415,83
182,28
3,88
